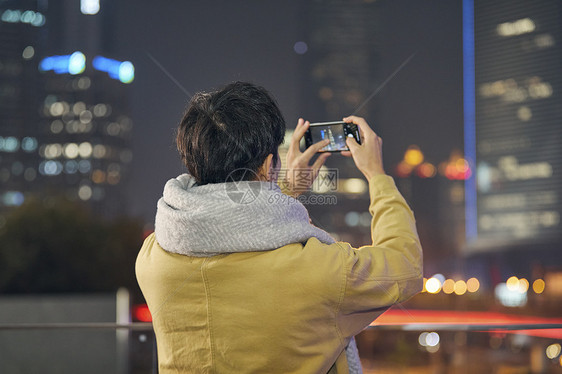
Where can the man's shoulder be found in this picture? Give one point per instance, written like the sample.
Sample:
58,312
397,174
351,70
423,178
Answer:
313,251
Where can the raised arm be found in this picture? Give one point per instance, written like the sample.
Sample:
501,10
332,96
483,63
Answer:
390,270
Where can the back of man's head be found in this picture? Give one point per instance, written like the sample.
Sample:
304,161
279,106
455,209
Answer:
226,132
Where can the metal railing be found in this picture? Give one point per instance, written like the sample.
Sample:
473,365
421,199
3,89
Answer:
486,347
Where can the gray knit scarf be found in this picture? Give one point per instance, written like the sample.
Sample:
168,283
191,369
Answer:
234,217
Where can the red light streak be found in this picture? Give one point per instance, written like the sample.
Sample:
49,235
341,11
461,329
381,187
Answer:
453,317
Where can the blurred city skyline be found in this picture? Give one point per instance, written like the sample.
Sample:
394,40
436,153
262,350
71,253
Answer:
465,95
222,41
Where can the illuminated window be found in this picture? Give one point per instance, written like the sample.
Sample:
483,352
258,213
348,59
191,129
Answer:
98,176
86,116
70,150
85,150
84,166
78,108
90,7
28,16
99,151
72,127
28,52
70,167
50,168
84,83
11,144
13,198
29,144
57,126
518,27
100,110
85,192
113,129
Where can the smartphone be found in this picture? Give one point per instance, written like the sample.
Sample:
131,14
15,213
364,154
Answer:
336,132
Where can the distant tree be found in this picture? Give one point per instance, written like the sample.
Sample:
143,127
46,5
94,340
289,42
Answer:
63,247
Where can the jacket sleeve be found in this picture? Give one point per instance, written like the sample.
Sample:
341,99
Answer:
387,272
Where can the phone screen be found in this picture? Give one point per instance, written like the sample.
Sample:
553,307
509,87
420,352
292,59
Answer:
334,133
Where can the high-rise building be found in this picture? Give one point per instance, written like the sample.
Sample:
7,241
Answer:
339,75
86,133
22,27
65,127
513,134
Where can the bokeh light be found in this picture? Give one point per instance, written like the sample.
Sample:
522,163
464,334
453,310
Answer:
433,285
28,52
429,340
553,351
538,286
355,185
413,155
523,285
300,47
449,286
460,287
472,285
512,283
426,170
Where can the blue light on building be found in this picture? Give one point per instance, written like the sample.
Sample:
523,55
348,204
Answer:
469,88
123,71
66,64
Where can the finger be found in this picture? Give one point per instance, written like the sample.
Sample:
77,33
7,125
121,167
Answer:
299,132
358,121
320,160
318,163
346,153
364,128
352,144
310,151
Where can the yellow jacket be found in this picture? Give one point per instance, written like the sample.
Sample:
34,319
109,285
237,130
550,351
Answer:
288,310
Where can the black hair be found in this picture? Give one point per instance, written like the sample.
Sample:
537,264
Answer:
226,132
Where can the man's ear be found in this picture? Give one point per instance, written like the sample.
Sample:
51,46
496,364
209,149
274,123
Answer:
264,171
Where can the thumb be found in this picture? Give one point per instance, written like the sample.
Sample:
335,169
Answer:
351,143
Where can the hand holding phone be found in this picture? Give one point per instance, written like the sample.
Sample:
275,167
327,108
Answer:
335,132
299,173
367,156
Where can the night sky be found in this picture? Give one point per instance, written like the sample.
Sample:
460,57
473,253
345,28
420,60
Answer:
206,44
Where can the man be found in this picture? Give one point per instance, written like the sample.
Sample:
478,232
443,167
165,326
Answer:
236,278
